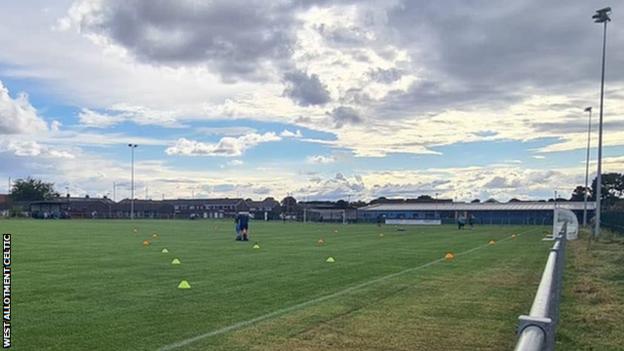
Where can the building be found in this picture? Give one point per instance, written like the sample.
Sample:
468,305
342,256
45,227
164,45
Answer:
5,205
207,208
71,207
267,209
529,212
143,209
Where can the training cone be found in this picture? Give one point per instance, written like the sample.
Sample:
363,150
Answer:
381,235
513,236
135,230
320,242
335,230
155,236
176,261
330,259
256,246
165,250
184,285
449,256
146,243
492,242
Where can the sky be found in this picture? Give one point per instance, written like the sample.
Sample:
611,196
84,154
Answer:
316,99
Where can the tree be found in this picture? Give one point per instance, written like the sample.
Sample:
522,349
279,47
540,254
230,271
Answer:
289,205
515,200
579,193
32,189
424,198
612,188
342,204
475,201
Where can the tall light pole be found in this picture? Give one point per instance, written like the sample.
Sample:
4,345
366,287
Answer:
132,147
588,109
601,16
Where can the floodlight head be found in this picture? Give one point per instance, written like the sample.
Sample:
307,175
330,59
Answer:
588,109
602,15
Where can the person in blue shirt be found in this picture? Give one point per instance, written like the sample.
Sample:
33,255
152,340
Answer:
242,222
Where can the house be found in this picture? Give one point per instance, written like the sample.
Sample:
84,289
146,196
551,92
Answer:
267,209
143,209
208,208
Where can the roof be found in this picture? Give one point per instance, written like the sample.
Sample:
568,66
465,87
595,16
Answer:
496,206
225,201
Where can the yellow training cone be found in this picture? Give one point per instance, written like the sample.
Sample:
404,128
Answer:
330,259
381,235
449,256
492,242
513,236
135,230
256,246
155,236
165,250
184,285
321,241
176,261
146,242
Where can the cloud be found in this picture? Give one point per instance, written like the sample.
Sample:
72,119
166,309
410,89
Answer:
305,89
240,39
235,163
94,119
345,115
33,149
18,116
320,159
227,146
288,134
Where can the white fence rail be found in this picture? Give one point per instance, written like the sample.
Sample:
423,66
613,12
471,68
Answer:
536,332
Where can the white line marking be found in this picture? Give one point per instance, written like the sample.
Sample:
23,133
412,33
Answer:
285,310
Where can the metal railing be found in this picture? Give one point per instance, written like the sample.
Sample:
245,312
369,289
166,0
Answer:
536,332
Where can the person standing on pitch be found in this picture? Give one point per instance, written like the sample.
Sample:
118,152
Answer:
237,228
243,225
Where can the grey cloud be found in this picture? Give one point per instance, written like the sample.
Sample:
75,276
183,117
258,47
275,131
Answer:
544,44
305,89
386,76
344,115
236,37
577,125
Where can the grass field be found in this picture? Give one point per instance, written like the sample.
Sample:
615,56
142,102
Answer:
92,285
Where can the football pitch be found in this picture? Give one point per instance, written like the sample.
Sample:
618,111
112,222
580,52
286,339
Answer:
94,285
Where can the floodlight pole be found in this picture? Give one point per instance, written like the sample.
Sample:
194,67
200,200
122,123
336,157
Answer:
589,109
132,147
601,16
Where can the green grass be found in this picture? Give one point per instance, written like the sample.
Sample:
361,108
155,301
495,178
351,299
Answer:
592,309
91,285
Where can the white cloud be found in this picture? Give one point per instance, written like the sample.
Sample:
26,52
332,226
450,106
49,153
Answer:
320,159
288,134
33,149
235,163
227,146
94,119
18,116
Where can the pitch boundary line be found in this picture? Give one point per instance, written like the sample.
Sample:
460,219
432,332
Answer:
314,301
